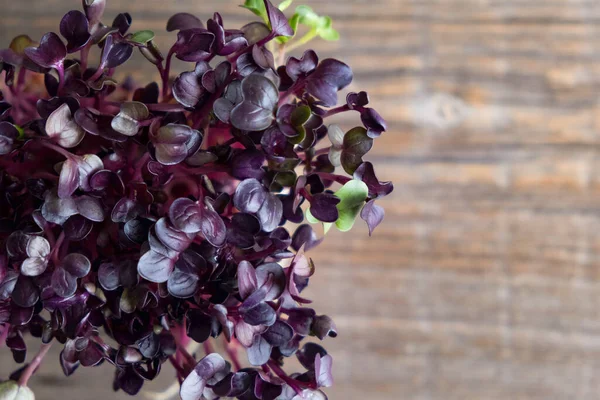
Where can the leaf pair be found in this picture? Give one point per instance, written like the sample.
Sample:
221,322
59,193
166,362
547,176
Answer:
252,197
348,149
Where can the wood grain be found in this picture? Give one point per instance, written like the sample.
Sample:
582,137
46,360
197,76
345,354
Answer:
484,280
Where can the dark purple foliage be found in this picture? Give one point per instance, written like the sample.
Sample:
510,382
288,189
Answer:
50,53
74,27
155,214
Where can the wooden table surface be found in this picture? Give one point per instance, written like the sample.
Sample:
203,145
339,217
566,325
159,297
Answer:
484,280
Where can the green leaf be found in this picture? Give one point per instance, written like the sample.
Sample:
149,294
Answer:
258,8
300,137
308,17
356,144
300,115
285,4
352,198
322,25
142,37
21,132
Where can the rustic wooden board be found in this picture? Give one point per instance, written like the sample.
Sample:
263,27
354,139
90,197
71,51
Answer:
484,281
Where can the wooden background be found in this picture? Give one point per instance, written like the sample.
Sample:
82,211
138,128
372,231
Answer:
483,282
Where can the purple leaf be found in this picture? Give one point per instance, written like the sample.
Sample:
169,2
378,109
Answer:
94,9
174,143
193,386
232,97
254,32
248,164
8,284
213,228
278,334
249,196
327,79
122,22
57,210
270,213
185,215
323,326
77,265
127,121
50,53
98,124
260,351
323,370
155,267
90,207
108,276
279,23
63,283
77,228
301,319
357,100
308,354
263,57
374,122
194,45
373,215
247,282
323,207
68,181
198,325
75,28
8,135
183,21
305,236
255,113
366,173
184,281
61,127
261,314
171,237
188,89
299,68
271,277
235,384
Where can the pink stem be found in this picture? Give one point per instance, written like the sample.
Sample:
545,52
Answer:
233,355
34,364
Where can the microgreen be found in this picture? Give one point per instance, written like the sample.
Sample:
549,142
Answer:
174,211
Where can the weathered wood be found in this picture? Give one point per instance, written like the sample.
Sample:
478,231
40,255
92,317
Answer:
484,281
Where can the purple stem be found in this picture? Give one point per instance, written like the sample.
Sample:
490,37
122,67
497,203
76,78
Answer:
61,77
281,373
56,148
336,110
21,78
233,58
232,352
98,74
165,74
333,177
84,57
